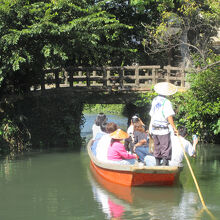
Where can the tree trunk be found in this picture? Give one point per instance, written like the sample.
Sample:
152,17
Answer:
184,49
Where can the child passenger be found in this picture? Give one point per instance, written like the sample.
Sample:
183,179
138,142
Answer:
117,152
129,142
141,141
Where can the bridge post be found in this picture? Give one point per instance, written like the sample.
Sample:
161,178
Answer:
137,75
121,78
168,73
94,74
80,75
57,79
154,76
42,85
108,76
71,78
182,78
105,83
65,76
88,78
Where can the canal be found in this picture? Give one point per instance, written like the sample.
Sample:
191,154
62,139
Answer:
58,185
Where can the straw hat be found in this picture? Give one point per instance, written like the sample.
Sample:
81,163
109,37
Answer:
119,134
165,88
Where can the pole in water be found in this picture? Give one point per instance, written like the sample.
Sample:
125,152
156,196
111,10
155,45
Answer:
195,181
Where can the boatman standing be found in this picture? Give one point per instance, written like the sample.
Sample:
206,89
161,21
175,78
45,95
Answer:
161,119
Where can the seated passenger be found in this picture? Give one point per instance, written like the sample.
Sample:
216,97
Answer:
178,142
117,152
129,142
141,141
177,150
104,142
96,127
98,137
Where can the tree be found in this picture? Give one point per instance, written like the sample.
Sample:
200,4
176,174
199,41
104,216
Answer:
131,15
36,35
183,32
183,35
199,107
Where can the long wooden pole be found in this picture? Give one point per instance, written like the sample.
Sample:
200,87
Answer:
195,181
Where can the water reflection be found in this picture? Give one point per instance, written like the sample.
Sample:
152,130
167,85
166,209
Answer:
112,206
43,185
121,202
179,202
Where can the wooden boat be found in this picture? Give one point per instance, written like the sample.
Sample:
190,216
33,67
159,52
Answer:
134,195
134,175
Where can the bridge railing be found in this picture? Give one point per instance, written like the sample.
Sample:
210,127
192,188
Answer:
140,78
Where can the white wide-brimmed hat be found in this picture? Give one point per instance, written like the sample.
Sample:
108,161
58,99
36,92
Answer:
165,88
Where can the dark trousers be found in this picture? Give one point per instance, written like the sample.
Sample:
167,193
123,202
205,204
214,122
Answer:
162,146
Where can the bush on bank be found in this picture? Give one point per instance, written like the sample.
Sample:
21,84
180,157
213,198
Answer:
199,108
40,122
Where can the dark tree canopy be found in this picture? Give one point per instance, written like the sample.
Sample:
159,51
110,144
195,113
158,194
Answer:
36,35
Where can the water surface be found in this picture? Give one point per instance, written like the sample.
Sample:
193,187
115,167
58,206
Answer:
59,185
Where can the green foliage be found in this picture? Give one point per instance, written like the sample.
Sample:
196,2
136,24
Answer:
161,4
59,118
35,35
205,85
115,109
41,122
198,108
186,29
14,135
182,29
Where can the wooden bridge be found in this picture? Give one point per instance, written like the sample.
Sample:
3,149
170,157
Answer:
127,78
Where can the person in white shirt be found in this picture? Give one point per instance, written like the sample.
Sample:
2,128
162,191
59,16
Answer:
161,117
130,129
104,142
98,137
178,143
100,119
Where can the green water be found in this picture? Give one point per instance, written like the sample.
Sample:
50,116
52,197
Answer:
58,185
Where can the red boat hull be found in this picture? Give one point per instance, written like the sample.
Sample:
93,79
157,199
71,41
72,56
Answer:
128,178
